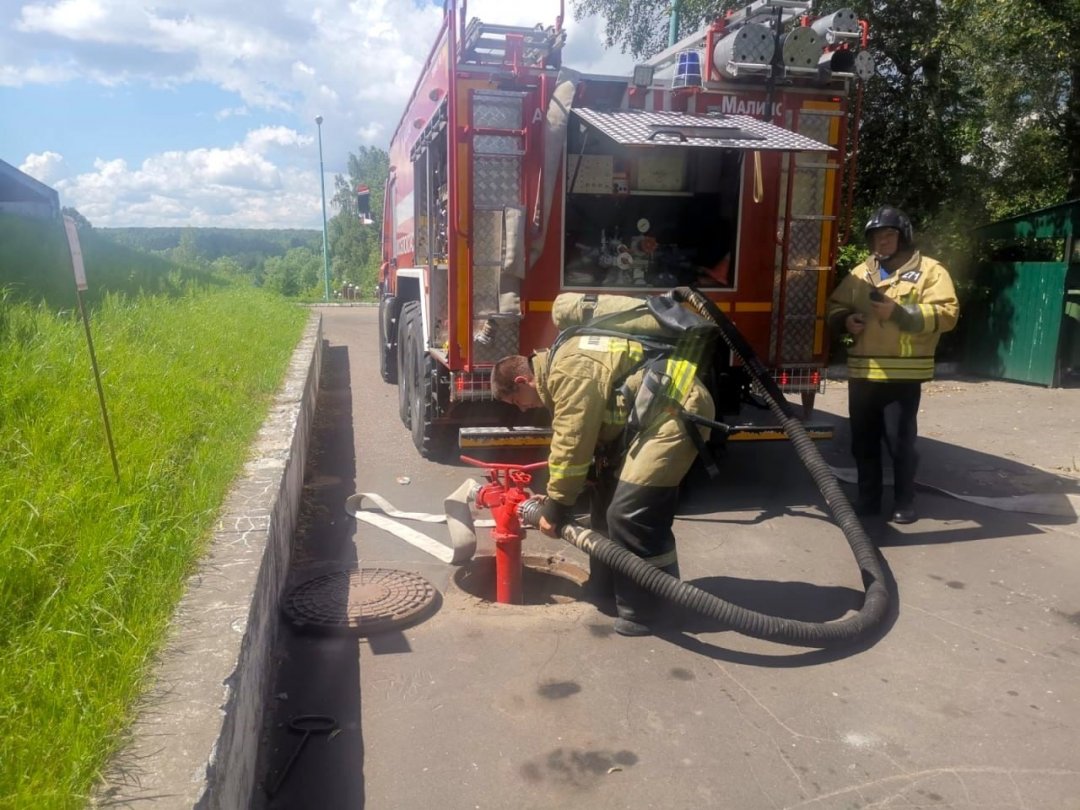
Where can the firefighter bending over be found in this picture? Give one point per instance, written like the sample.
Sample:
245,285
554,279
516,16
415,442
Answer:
591,387
895,306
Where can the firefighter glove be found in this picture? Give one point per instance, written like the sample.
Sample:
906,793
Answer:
557,514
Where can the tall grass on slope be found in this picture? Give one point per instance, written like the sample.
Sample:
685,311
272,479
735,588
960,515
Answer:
91,570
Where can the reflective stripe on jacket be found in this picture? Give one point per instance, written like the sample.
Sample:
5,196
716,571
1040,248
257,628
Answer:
884,350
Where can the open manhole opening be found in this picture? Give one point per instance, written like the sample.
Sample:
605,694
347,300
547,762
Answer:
544,580
360,601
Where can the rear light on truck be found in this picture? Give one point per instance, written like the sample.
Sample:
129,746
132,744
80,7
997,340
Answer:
801,379
470,386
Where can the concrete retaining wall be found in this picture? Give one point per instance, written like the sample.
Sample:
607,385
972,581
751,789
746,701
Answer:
196,740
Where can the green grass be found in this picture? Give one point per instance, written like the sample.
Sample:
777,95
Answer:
35,265
90,570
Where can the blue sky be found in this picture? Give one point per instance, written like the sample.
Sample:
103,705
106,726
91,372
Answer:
202,112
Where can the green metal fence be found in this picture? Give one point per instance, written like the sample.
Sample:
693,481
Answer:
1024,314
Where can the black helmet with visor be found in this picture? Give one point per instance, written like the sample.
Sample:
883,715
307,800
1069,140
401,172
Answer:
889,216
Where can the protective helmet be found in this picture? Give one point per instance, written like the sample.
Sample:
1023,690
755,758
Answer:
890,217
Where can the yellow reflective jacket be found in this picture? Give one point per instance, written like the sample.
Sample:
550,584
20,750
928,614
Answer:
901,348
580,390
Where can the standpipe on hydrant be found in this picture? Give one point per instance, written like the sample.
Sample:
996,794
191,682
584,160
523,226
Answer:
503,494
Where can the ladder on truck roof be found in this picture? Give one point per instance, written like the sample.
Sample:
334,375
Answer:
489,44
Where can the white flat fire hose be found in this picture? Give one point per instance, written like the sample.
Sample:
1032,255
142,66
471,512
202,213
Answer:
1055,504
460,519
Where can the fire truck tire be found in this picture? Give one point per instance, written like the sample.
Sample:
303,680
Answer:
406,358
427,436
388,311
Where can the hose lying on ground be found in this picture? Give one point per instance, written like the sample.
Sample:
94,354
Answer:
739,619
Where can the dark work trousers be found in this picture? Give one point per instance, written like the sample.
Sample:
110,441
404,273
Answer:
601,583
884,412
646,496
640,519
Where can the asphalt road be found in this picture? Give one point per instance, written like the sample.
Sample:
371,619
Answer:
967,697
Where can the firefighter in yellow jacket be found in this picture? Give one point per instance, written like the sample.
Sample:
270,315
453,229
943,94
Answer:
590,387
895,306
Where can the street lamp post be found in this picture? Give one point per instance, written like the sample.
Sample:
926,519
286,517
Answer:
322,186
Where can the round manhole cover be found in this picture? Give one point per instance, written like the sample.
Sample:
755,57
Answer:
371,600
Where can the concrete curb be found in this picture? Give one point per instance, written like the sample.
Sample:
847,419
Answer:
196,739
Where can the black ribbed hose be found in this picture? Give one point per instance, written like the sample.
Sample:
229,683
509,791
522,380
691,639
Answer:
739,619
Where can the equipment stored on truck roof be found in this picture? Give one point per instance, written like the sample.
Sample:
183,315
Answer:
720,164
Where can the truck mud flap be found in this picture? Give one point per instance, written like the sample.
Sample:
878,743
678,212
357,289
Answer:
477,438
768,433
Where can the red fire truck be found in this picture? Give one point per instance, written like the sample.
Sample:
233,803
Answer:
720,163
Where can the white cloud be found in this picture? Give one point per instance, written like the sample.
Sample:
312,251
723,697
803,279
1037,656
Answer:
44,167
259,140
231,112
354,62
203,187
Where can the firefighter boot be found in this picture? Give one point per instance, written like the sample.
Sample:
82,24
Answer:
640,611
600,586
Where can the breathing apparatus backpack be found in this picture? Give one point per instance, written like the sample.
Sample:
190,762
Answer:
676,342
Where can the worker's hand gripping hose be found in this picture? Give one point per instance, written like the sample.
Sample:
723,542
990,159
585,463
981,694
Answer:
742,620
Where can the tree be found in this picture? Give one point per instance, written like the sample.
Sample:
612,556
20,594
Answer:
187,251
640,27
1028,76
357,249
298,272
81,222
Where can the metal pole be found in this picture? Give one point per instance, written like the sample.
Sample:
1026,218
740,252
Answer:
322,186
673,23
100,390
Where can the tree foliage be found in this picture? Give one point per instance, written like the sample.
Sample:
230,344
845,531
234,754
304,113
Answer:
356,249
81,222
297,273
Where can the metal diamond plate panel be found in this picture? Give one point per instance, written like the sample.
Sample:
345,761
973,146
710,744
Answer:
497,110
488,237
496,181
804,247
808,193
815,126
421,216
800,314
643,128
504,341
485,290
499,144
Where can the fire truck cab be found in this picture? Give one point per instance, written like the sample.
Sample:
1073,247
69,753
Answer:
719,163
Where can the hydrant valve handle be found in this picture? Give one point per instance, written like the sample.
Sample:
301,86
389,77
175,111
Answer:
519,477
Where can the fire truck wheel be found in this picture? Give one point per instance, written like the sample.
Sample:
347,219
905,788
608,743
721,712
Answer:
388,368
406,358
425,434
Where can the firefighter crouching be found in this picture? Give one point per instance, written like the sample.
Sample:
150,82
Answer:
591,387
895,306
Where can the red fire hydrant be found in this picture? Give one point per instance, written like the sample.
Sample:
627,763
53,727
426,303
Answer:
503,493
